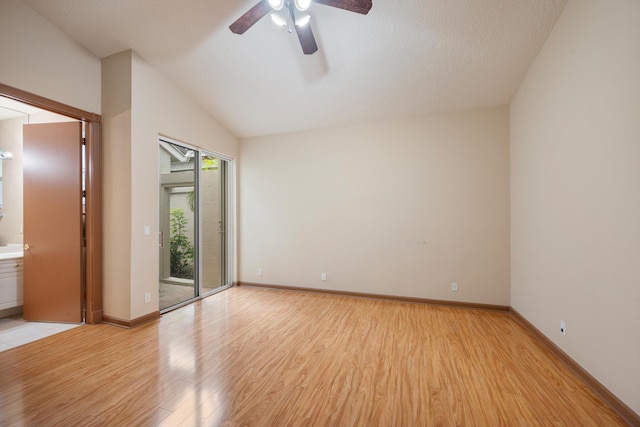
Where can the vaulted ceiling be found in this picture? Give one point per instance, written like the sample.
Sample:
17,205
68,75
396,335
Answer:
406,57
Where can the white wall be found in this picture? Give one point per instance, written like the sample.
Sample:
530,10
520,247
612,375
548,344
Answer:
575,191
402,207
39,58
155,107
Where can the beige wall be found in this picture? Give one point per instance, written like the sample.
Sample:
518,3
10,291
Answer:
117,195
153,107
39,58
402,207
575,191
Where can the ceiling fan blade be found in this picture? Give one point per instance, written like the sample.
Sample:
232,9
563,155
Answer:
305,35
358,6
307,41
252,16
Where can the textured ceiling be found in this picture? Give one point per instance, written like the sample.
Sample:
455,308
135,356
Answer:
404,58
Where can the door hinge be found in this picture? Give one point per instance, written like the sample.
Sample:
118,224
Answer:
84,141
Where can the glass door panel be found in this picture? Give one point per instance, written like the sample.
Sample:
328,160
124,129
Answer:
178,229
213,223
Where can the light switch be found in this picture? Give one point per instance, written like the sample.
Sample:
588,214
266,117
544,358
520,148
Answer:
147,230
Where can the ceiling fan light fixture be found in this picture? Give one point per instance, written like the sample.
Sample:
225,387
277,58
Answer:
278,20
303,20
302,5
276,4
292,20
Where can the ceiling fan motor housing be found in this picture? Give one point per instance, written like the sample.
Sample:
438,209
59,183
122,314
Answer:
305,35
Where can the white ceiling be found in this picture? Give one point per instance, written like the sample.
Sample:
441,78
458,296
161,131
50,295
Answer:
406,57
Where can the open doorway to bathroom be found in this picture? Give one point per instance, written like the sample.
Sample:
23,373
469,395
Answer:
194,242
20,108
15,118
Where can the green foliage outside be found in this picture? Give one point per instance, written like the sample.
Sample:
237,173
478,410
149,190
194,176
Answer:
181,249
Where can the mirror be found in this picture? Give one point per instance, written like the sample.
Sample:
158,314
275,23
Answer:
11,121
13,115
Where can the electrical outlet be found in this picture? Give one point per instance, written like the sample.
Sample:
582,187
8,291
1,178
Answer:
563,327
260,272
454,286
323,276
147,298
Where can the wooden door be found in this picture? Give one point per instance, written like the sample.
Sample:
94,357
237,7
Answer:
53,222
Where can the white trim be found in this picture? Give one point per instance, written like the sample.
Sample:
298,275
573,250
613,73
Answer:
217,154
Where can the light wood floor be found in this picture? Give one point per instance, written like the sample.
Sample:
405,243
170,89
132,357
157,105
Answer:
255,357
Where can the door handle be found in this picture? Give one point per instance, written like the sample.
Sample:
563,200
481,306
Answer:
161,242
26,247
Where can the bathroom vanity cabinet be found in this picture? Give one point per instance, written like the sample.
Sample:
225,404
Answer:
11,282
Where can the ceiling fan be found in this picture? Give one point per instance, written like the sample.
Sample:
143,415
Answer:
293,10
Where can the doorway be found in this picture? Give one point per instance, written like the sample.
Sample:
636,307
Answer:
194,245
91,296
41,215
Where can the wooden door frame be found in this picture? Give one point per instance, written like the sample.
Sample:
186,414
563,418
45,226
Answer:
93,192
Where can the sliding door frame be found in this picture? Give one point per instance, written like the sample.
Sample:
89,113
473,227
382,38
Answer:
226,167
93,192
228,254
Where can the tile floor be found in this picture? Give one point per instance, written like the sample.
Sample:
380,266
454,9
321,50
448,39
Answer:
14,331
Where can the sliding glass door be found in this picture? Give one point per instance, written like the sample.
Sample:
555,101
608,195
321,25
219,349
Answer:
213,220
193,224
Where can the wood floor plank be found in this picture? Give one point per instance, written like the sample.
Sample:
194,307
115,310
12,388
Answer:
259,357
